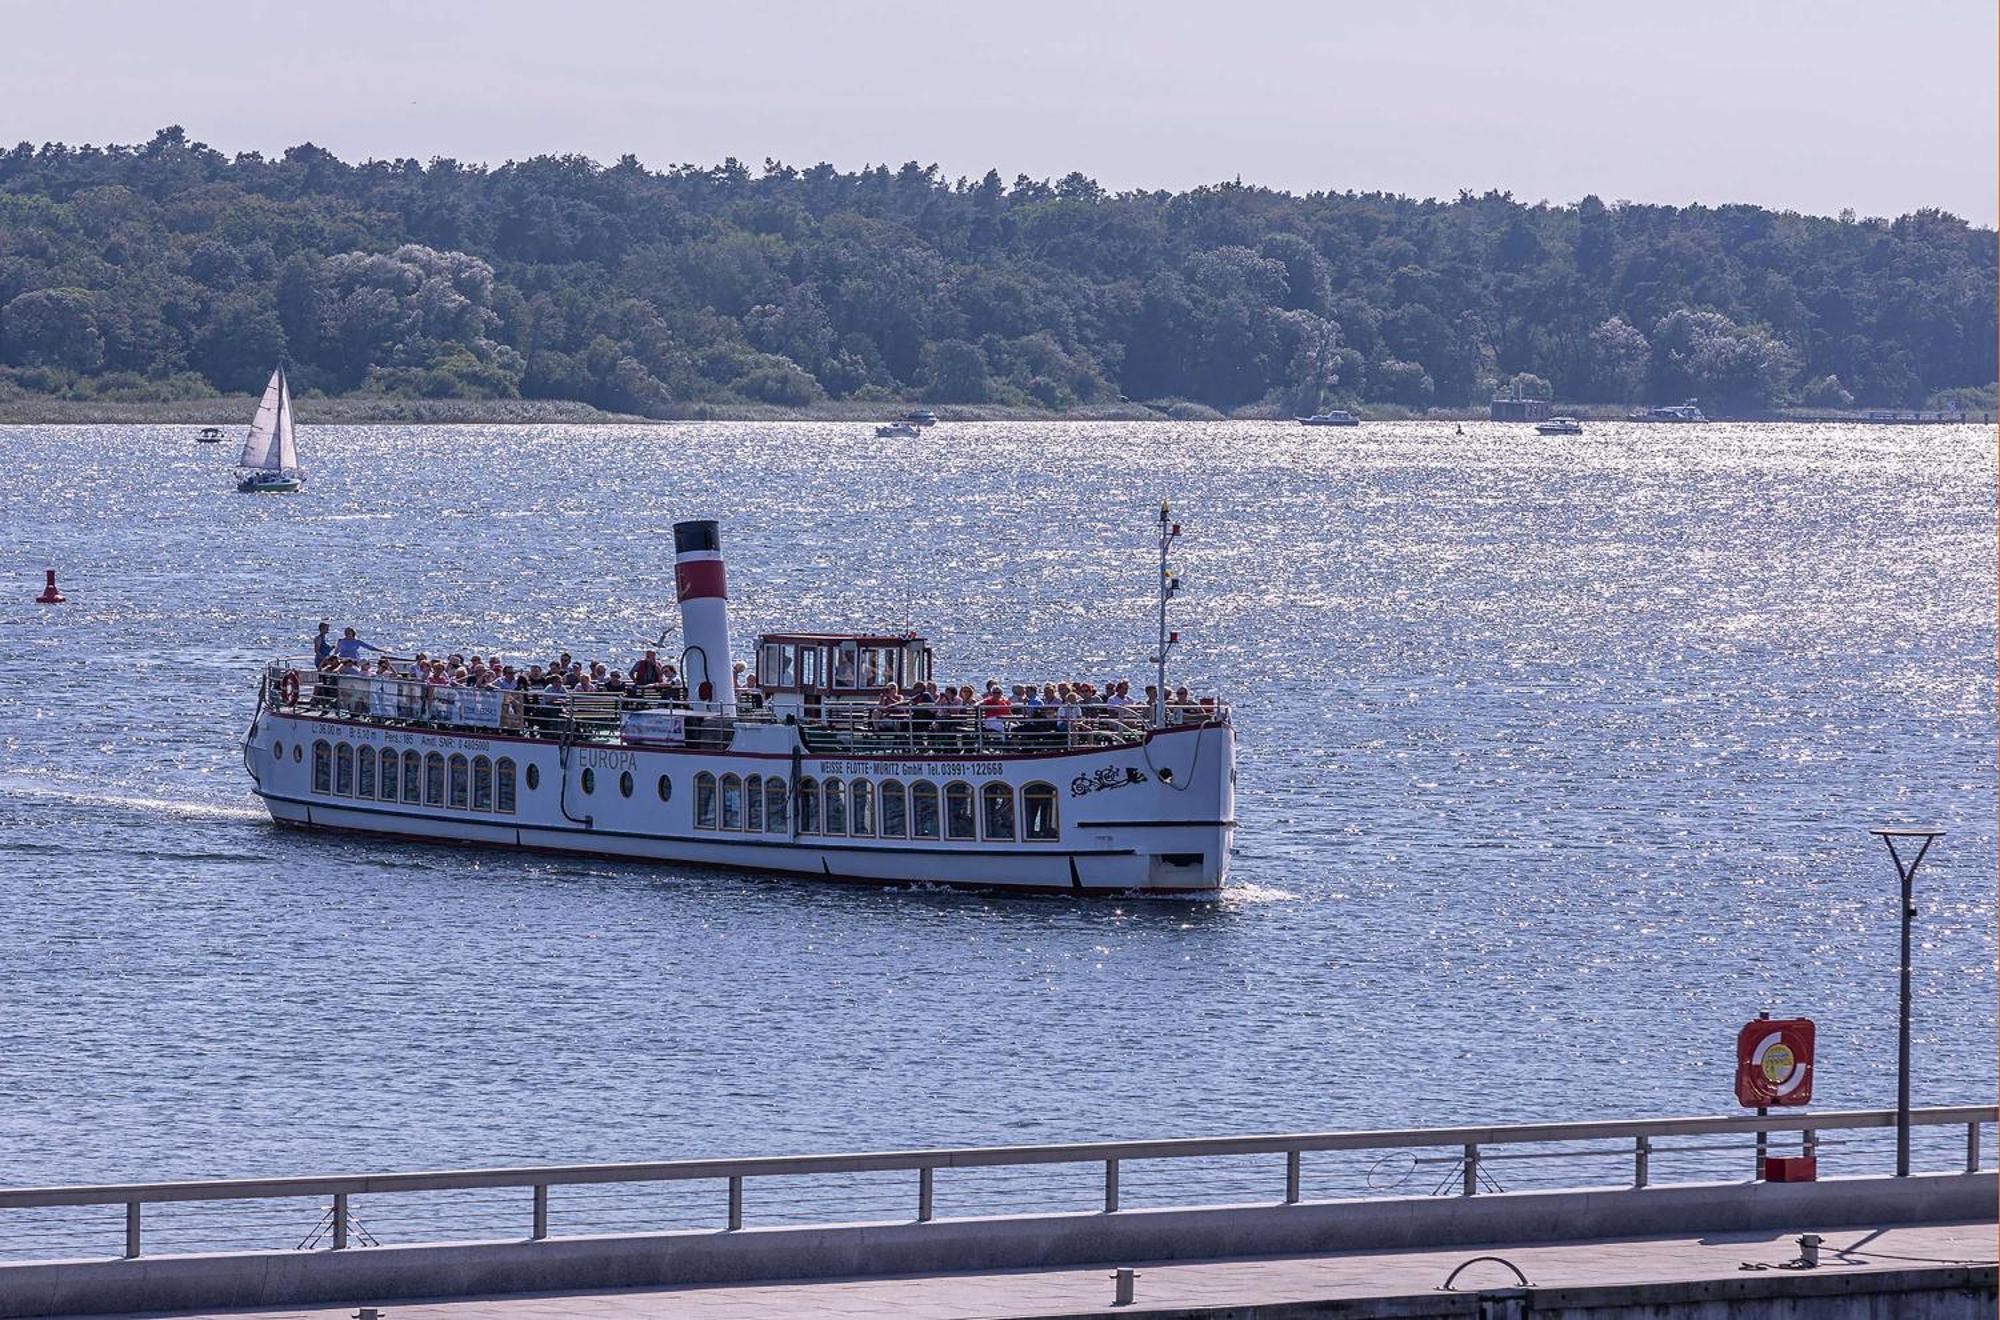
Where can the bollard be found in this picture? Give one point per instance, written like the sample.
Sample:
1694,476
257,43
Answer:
1121,1286
1809,1250
369,1313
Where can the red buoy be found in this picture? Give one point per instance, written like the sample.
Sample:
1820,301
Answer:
50,596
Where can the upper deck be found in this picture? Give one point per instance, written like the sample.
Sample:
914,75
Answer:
837,718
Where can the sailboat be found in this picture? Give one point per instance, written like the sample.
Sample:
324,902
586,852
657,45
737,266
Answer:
269,451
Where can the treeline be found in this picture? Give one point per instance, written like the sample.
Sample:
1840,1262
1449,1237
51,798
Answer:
171,270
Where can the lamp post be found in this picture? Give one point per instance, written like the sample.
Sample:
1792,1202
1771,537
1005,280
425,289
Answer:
1907,873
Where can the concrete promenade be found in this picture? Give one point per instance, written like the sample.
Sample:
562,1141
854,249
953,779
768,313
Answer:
1941,1270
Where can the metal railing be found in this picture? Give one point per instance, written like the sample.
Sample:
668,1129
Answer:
832,725
1638,1143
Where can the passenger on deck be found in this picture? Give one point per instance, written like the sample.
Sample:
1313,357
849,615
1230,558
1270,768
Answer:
923,711
350,647
647,673
322,644
892,713
1069,713
994,708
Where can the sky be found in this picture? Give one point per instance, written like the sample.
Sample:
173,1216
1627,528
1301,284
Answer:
1816,107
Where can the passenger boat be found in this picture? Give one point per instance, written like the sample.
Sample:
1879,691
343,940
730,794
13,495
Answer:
1331,417
808,773
271,452
1560,426
920,417
1675,412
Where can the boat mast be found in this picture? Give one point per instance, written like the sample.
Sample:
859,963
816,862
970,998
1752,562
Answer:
1169,586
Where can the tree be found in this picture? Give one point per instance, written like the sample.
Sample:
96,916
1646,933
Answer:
955,372
52,327
652,290
239,345
1620,356
1316,361
1738,369
1402,382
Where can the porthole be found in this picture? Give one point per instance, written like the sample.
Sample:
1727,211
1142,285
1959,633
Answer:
589,780
298,752
277,751
625,783
666,789
534,776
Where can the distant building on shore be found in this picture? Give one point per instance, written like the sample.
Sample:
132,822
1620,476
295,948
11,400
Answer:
1511,406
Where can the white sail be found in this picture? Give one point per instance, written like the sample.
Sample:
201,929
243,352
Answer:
270,444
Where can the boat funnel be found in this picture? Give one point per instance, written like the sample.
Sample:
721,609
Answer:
704,598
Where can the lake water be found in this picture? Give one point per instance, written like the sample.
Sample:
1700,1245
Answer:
1556,758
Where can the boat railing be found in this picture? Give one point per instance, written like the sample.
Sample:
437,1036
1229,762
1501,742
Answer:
830,726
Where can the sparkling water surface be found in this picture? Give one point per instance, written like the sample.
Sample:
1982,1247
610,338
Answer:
1555,762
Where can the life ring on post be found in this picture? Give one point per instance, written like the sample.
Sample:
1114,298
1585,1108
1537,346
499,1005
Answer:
288,688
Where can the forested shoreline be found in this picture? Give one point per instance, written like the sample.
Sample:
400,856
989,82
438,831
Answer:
170,271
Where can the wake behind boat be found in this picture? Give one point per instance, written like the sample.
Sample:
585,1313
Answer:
270,451
839,760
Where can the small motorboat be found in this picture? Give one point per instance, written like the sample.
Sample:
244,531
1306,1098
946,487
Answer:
1331,417
898,431
210,435
1560,426
270,452
921,417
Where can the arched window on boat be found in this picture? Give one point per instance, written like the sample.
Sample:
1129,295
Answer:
482,784
458,778
413,773
364,771
958,821
809,805
322,766
704,801
503,785
434,780
923,810
732,802
343,769
997,801
386,786
1038,812
861,809
753,804
775,794
894,823
836,807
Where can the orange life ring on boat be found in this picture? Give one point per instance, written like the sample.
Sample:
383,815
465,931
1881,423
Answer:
288,689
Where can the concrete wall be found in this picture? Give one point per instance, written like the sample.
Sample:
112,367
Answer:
379,1274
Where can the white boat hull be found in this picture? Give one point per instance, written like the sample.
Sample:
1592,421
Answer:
1122,825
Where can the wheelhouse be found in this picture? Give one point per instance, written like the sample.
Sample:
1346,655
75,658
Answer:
803,670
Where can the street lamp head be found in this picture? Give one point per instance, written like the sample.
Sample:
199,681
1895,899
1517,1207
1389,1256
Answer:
1923,838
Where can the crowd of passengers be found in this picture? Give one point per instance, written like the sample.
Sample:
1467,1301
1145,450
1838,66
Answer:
1051,711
